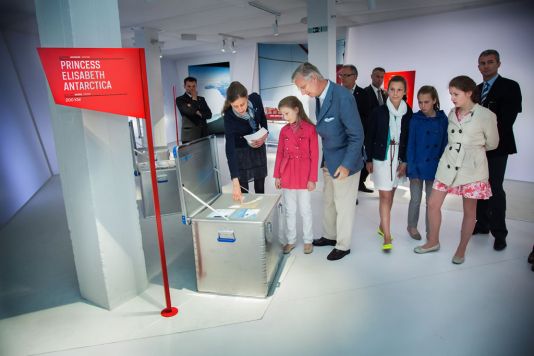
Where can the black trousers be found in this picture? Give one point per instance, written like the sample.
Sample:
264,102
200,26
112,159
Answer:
491,213
363,176
259,186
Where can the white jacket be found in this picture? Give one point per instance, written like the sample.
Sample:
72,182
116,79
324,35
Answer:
464,159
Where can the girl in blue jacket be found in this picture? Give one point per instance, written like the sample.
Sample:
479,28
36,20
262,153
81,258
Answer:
427,139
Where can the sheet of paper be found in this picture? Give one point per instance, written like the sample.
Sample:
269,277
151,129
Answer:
245,213
257,135
248,204
221,213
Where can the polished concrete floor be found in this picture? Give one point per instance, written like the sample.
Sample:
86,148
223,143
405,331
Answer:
368,303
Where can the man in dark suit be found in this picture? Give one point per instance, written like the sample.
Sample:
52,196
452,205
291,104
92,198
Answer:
341,131
503,97
374,93
348,75
194,110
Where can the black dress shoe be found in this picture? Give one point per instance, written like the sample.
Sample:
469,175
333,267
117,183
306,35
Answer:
499,244
480,230
531,257
337,254
324,242
363,188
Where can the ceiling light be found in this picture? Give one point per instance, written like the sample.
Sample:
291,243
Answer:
233,47
259,5
223,47
275,27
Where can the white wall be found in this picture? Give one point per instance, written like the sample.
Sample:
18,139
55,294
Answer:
440,47
27,152
169,77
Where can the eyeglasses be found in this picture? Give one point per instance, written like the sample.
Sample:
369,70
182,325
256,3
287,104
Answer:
345,75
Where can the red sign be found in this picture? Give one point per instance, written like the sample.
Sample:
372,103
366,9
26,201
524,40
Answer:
409,75
101,79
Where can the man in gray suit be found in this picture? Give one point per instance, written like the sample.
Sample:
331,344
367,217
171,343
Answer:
341,131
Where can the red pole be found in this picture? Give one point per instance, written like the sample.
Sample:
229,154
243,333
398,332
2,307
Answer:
175,114
169,310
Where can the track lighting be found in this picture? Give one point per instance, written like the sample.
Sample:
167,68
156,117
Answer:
275,27
223,47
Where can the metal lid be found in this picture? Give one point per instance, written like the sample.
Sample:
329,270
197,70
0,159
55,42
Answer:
196,167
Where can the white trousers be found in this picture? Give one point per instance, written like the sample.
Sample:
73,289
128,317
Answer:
291,198
339,208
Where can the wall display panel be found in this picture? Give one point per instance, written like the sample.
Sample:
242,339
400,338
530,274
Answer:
212,81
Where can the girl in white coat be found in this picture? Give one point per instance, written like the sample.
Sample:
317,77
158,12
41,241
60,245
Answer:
463,167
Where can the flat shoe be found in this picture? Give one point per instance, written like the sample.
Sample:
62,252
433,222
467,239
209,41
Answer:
308,248
415,236
458,260
288,248
421,249
387,247
380,232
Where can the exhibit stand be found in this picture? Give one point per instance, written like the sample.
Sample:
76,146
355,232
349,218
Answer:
237,245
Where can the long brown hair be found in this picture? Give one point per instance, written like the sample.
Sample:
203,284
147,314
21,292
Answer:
293,102
235,91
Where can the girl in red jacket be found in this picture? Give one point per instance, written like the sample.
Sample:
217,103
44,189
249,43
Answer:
295,170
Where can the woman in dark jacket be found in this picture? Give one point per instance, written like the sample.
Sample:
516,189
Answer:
385,144
244,115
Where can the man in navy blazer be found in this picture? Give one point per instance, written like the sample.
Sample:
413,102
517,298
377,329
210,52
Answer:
341,131
503,97
373,92
348,75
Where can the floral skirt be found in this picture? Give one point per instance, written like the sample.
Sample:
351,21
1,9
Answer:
475,190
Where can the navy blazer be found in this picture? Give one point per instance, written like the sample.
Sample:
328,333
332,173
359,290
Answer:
504,99
360,97
194,126
341,131
376,139
371,102
235,128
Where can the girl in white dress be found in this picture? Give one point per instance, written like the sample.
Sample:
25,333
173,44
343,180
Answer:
385,145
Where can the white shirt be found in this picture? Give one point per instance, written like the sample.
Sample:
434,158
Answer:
323,94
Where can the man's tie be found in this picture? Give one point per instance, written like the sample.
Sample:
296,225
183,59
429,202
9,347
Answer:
317,107
379,96
485,91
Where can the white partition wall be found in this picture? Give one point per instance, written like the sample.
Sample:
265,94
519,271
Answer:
95,164
440,47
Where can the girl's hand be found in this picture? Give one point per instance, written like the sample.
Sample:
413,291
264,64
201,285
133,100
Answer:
311,186
236,190
369,166
401,170
277,183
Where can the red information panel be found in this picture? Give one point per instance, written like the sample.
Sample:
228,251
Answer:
409,75
101,79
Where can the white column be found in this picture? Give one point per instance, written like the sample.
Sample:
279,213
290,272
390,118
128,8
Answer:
322,36
148,39
95,164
